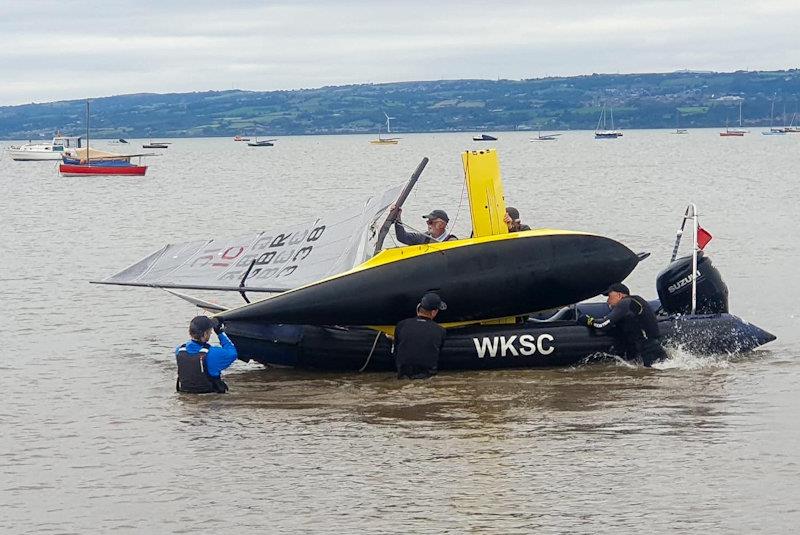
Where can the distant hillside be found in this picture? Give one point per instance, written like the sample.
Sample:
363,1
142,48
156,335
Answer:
703,99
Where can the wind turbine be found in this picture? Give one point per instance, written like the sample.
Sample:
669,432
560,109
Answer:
388,130
385,140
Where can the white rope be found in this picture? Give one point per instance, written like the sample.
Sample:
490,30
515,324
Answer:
371,351
460,204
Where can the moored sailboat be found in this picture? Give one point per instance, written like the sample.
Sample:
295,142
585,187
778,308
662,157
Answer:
86,162
604,132
546,137
775,131
678,129
735,132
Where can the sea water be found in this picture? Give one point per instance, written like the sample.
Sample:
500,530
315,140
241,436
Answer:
95,439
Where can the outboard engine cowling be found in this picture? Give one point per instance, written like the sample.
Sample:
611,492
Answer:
674,287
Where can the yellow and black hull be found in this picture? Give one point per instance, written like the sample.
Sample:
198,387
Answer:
479,278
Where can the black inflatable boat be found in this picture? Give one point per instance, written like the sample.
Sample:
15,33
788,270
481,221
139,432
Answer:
530,342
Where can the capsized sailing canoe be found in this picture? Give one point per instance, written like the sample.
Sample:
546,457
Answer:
479,278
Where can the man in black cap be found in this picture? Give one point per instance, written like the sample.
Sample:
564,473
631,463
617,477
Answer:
200,364
437,229
512,220
418,341
633,322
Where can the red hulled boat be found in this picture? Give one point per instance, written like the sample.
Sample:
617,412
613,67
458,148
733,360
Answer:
102,169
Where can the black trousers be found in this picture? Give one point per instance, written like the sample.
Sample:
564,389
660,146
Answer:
411,371
651,352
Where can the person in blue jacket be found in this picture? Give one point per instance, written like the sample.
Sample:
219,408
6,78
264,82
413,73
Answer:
200,364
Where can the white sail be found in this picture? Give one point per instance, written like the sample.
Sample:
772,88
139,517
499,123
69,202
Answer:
273,261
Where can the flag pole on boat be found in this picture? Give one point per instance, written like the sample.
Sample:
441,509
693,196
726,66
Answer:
694,257
690,213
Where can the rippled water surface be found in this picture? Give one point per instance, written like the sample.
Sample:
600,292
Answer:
96,440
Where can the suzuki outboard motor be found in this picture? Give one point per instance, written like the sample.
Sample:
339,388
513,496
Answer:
674,287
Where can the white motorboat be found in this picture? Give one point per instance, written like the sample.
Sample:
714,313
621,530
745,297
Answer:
44,151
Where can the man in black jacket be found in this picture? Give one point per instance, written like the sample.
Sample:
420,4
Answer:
418,340
437,229
633,322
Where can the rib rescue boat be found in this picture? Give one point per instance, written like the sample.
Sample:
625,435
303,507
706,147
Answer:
512,297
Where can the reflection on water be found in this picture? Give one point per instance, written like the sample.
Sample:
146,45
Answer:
95,439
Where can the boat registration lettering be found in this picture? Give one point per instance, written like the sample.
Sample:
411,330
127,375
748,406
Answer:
524,345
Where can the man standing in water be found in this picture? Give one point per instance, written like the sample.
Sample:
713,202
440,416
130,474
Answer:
418,341
635,323
200,364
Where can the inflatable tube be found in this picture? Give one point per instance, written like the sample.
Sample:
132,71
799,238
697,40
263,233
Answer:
528,344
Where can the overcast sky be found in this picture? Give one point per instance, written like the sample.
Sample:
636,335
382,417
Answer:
62,50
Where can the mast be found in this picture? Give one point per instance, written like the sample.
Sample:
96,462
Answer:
740,113
772,112
612,118
87,131
602,118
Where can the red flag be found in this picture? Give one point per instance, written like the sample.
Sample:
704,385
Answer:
703,237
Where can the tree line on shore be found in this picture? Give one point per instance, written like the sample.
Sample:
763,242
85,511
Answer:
658,100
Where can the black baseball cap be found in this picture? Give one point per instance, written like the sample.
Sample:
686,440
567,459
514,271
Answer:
432,301
437,214
512,212
618,287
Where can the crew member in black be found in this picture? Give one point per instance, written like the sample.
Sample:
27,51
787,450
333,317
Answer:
512,220
633,322
437,229
418,341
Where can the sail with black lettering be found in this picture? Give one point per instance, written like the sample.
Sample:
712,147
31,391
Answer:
267,261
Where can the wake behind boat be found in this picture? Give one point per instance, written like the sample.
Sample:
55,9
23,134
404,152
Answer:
494,283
